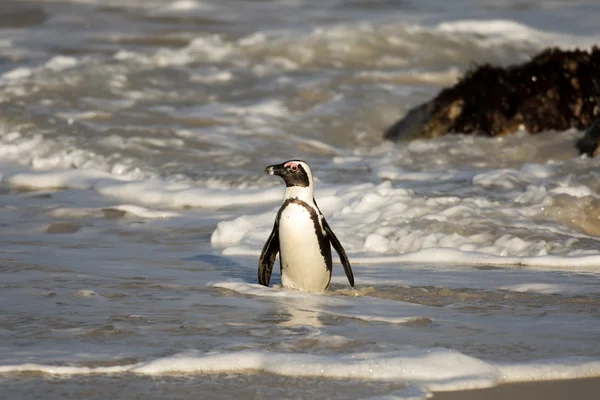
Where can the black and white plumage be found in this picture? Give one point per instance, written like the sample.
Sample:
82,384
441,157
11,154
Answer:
300,235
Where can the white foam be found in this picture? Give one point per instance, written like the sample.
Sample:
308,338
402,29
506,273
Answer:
498,31
20,74
429,369
42,163
545,288
17,73
568,368
148,192
62,369
143,212
61,63
214,76
232,232
76,178
41,153
511,178
386,224
130,209
154,192
414,365
492,28
447,77
187,5
269,52
362,308
87,294
577,191
438,369
453,256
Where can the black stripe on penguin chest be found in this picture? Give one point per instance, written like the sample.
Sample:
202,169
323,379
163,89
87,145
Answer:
323,240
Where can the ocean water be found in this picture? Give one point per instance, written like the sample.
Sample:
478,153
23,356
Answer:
133,204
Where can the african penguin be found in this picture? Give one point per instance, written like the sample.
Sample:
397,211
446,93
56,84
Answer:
300,235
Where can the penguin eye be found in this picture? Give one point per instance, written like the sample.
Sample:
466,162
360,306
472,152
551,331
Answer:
294,168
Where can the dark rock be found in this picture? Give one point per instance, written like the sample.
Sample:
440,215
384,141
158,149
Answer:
555,90
588,144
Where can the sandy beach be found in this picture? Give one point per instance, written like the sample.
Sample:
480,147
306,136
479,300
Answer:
570,389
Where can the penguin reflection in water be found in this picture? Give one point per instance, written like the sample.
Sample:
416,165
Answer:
300,235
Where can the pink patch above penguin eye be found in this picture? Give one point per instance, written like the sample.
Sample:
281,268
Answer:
292,166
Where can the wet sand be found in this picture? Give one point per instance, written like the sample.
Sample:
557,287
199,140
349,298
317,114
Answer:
572,389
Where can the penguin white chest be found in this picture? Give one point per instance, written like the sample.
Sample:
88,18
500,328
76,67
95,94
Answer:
303,264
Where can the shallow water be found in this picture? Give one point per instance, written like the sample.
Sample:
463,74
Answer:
133,206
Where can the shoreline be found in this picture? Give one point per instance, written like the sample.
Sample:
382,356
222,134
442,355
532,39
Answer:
573,389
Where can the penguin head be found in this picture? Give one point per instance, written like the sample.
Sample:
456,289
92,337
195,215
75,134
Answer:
295,173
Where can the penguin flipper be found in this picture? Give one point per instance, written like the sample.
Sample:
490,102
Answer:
341,252
267,257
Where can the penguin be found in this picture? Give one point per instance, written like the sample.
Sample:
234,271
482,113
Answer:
300,235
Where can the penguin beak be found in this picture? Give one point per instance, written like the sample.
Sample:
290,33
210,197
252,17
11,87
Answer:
275,169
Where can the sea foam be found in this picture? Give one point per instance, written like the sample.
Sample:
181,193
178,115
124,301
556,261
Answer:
430,370
384,223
